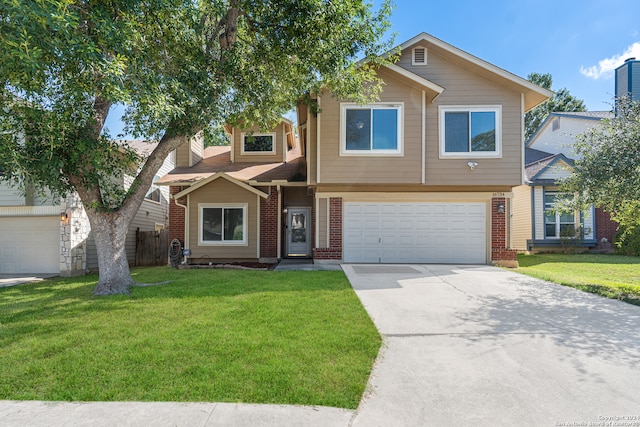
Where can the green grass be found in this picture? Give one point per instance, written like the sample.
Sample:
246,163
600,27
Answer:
298,337
611,276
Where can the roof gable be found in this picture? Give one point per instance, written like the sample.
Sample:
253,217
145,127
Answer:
220,175
533,94
554,167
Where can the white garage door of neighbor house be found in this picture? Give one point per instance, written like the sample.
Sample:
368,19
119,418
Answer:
30,245
452,233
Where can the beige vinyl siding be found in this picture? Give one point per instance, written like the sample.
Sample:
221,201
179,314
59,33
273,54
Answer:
374,169
312,149
521,220
279,156
538,212
223,191
462,88
322,224
297,197
189,154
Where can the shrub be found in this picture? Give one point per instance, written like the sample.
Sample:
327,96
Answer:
627,240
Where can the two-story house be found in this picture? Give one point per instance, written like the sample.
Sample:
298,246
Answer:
423,175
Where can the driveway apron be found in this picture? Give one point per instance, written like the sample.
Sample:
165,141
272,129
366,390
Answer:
478,345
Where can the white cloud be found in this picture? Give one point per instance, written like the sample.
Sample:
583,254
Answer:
606,66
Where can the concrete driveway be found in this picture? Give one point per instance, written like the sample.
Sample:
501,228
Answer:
477,345
19,279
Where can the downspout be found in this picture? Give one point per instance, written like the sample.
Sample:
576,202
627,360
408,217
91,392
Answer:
186,221
279,228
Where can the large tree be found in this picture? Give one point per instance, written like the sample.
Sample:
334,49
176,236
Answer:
179,65
562,100
607,173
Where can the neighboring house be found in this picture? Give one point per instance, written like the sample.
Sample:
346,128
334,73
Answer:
424,175
549,157
41,235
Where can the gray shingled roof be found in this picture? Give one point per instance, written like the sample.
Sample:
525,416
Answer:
536,160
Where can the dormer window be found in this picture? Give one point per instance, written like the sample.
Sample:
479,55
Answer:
419,56
258,143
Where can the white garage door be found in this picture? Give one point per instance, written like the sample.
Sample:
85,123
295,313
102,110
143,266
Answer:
415,233
29,245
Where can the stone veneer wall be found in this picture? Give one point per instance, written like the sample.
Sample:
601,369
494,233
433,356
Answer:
74,233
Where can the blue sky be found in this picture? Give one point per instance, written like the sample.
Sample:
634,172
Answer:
578,42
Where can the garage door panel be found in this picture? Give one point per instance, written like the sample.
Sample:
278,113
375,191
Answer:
415,232
29,245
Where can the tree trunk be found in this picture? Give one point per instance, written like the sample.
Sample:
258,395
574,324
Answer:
110,231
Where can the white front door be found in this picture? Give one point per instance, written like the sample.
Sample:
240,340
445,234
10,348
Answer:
448,233
298,232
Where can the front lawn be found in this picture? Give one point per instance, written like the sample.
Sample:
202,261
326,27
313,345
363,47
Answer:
612,276
291,337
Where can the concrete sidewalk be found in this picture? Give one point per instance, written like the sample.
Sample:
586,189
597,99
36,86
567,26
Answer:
159,414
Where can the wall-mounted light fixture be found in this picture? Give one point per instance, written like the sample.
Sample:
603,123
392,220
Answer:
64,217
285,211
500,209
472,165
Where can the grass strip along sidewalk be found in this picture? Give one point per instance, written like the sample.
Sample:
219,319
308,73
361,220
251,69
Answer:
291,337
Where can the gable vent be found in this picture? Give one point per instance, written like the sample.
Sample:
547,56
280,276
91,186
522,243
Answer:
419,56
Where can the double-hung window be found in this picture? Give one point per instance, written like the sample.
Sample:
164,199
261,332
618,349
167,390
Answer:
557,224
258,143
374,129
222,224
473,131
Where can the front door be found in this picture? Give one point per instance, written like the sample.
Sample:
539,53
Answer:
298,232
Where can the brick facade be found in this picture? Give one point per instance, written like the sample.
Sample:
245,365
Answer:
334,251
605,228
176,216
269,224
500,253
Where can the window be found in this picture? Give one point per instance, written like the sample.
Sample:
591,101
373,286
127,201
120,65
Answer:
223,224
419,56
557,224
154,192
470,131
258,143
371,129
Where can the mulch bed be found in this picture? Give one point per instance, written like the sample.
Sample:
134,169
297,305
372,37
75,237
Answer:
232,265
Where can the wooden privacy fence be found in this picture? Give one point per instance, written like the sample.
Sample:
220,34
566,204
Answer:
152,248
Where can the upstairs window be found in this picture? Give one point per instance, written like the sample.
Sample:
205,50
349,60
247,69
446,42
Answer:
374,129
258,143
470,131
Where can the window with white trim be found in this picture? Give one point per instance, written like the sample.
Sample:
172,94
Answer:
258,143
374,129
557,224
154,193
470,131
221,224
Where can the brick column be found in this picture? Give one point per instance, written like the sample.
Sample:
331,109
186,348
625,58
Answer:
176,216
269,225
334,251
605,228
500,253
